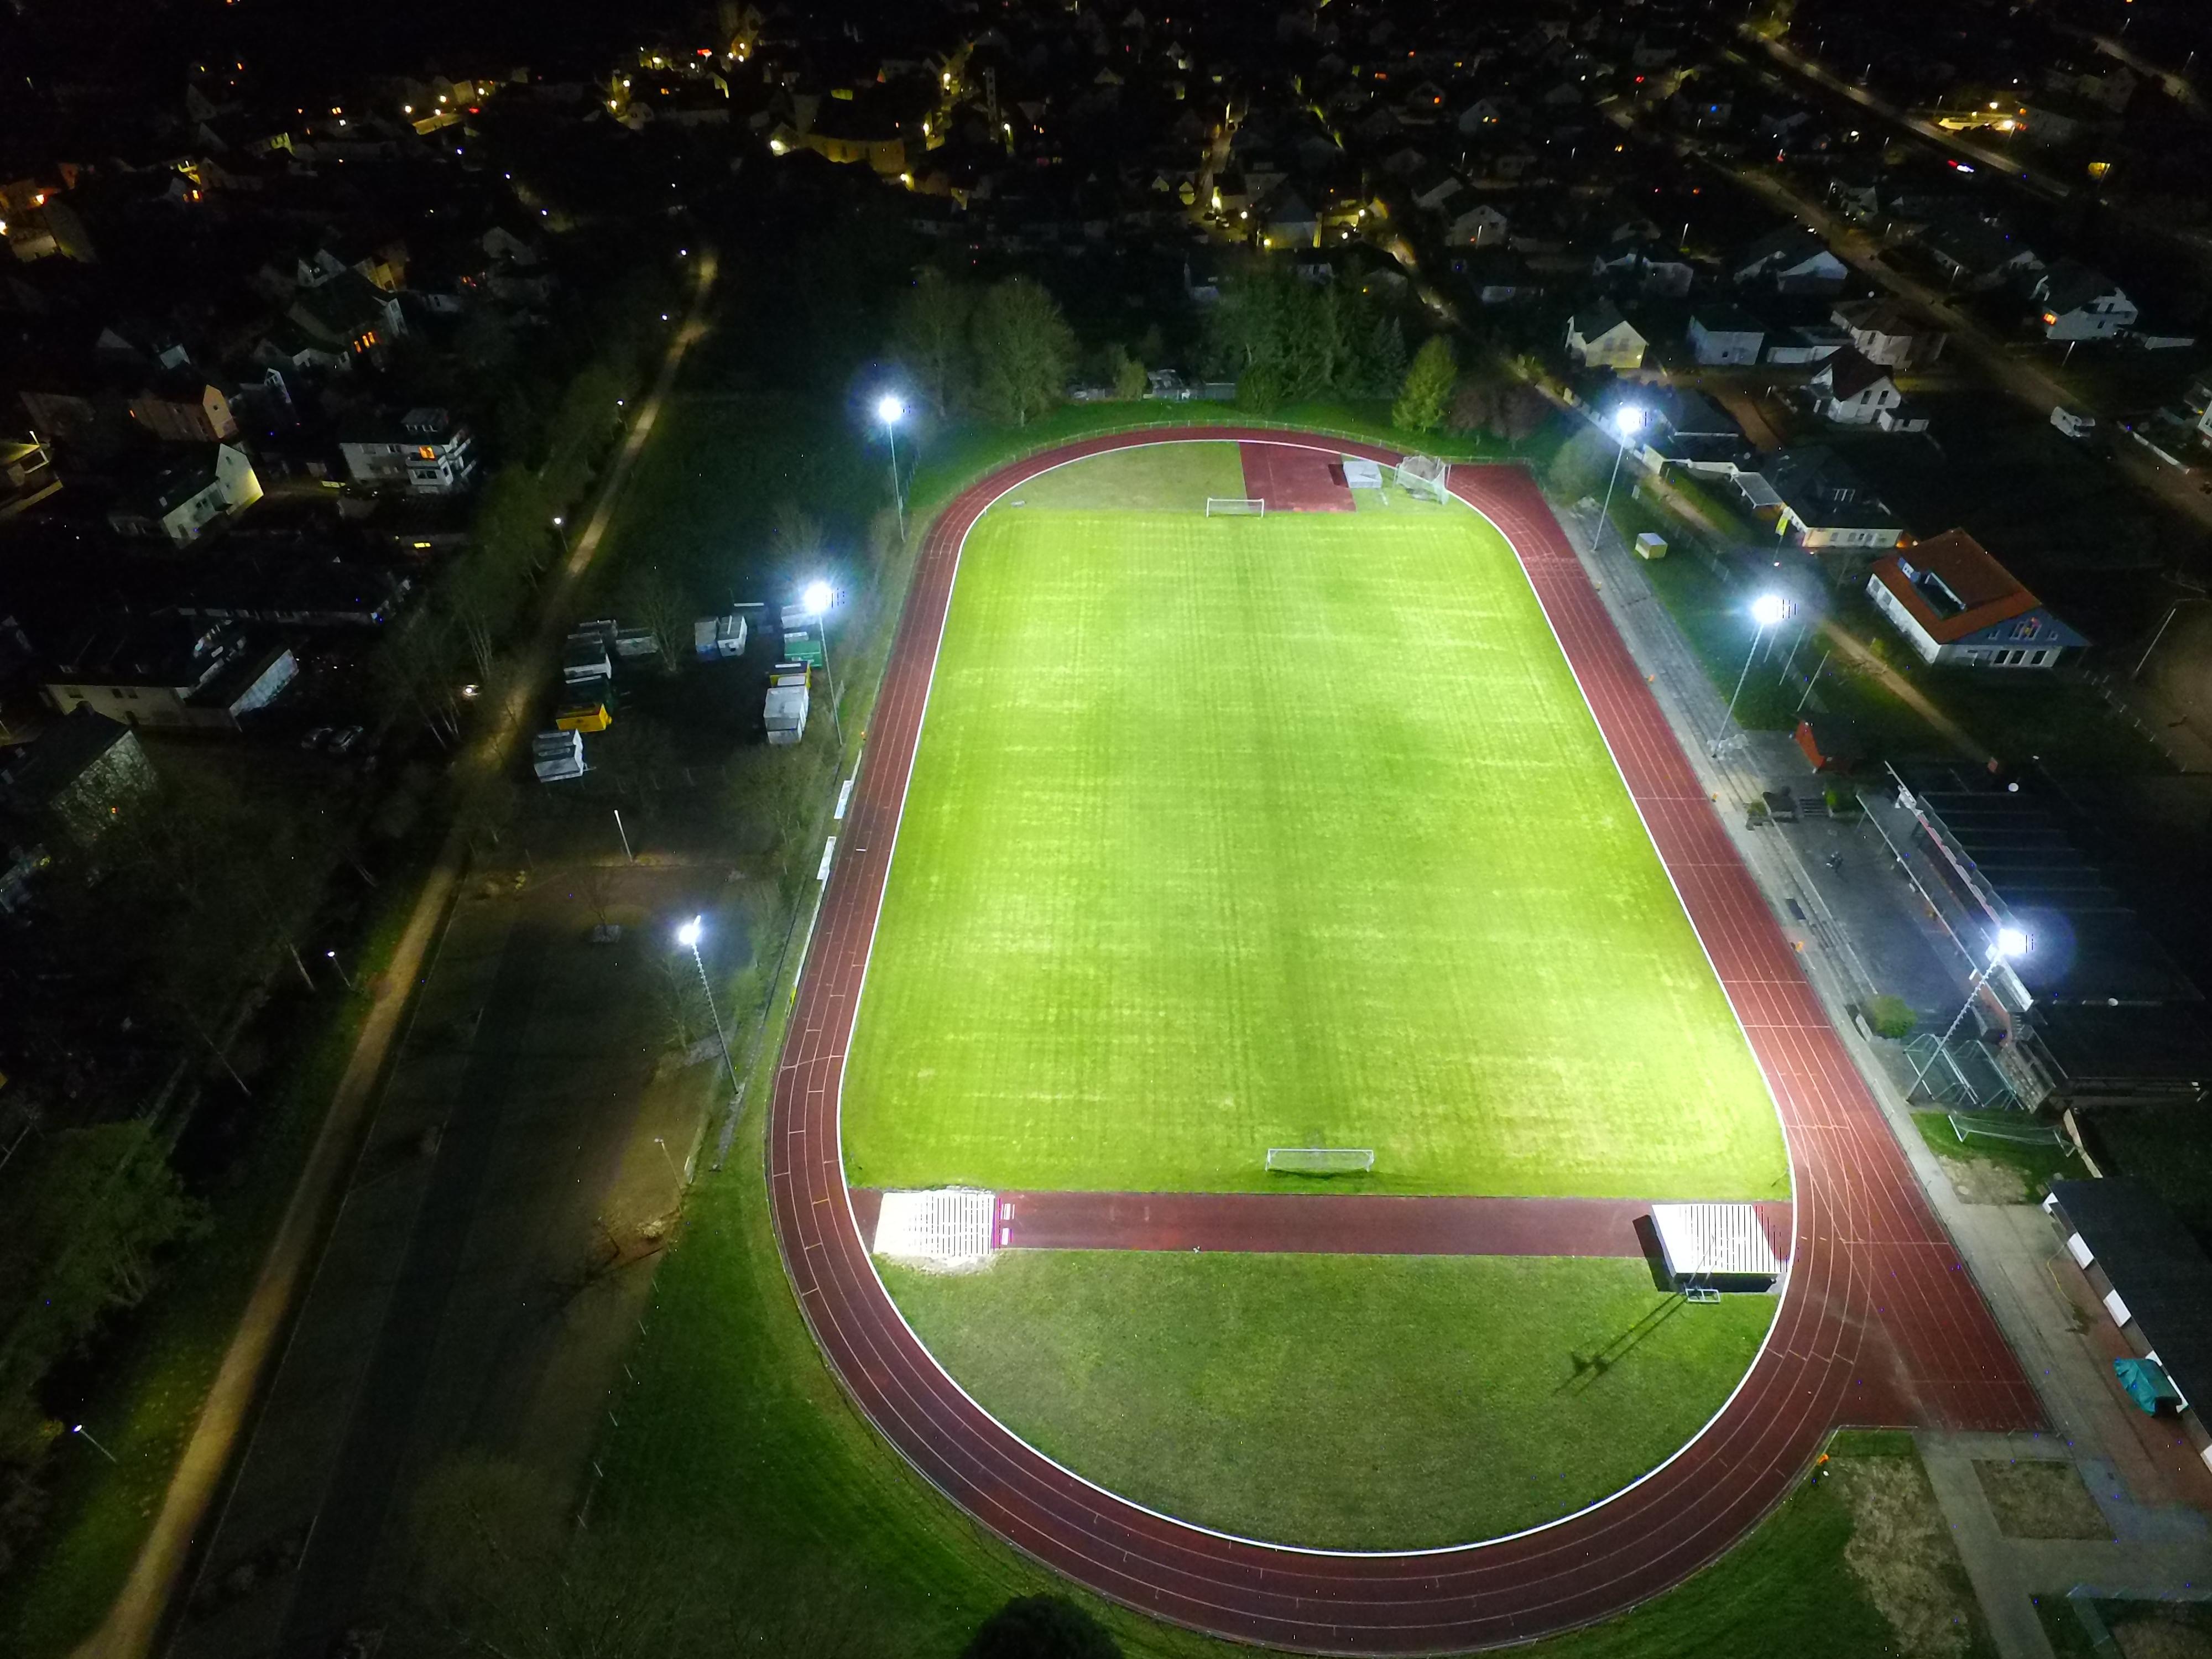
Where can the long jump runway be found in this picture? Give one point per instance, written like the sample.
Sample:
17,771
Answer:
1879,1323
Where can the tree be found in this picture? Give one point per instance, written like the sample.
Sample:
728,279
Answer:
658,607
933,337
1383,364
1128,376
1041,1627
1023,350
1420,405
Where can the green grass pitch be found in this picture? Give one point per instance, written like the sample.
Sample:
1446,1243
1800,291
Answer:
1278,1396
1237,833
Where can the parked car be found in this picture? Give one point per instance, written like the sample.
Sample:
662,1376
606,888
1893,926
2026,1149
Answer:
315,739
345,740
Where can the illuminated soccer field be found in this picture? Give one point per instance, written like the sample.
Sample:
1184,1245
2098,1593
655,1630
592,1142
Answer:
1233,833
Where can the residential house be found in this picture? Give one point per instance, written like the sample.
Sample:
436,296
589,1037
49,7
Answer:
1685,427
170,671
1792,261
1433,187
26,474
1976,255
1850,390
1884,331
348,314
424,453
186,408
1819,503
1954,603
1599,337
1723,335
183,500
83,772
1289,222
1480,225
2076,303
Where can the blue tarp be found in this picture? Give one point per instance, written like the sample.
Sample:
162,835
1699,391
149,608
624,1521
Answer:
2146,1384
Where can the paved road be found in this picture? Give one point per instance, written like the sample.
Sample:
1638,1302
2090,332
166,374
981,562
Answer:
132,1624
1878,1321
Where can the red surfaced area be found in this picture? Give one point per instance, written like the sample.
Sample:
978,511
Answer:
1291,478
1878,1321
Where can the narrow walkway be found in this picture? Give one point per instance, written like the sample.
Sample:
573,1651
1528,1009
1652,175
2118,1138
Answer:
134,1620
1338,1223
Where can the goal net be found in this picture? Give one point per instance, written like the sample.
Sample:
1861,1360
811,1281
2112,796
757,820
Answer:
1319,1160
1422,476
1236,506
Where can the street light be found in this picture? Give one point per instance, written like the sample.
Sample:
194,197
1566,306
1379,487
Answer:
2010,944
79,1428
891,409
1627,422
334,961
1766,610
687,936
816,602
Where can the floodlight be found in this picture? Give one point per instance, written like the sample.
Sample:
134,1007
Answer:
1628,420
1769,609
2012,942
688,934
891,409
817,598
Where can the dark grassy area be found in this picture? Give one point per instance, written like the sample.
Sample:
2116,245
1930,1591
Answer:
2036,1167
146,1394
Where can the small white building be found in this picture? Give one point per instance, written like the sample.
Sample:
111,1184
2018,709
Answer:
1850,390
785,712
1725,335
555,756
185,500
1480,225
1599,337
424,453
2078,303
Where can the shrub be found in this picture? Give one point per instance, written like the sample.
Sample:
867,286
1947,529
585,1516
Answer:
1890,1016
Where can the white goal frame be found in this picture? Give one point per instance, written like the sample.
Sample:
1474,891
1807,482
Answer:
1423,475
1319,1160
1236,506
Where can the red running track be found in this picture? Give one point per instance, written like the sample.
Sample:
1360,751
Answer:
1332,1224
1878,1321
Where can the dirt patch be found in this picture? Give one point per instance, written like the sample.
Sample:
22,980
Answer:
1979,1181
2182,1631
1901,1551
2039,1499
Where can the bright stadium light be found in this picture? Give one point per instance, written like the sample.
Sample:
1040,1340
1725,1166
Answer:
2012,942
1769,609
688,934
817,599
1627,422
889,409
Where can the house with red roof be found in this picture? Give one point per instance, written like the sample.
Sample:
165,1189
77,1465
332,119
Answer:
1955,604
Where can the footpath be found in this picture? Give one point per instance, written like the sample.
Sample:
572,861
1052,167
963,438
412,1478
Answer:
134,1624
1833,886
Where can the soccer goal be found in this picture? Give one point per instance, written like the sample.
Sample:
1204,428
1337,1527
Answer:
1422,476
1319,1160
1236,506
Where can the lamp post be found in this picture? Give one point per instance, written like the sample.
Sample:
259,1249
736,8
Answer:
560,531
79,1428
816,601
891,409
2010,943
343,976
1766,610
1627,422
687,936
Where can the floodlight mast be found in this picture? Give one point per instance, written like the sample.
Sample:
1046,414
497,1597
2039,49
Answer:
891,409
816,601
1766,611
1627,422
2010,944
687,936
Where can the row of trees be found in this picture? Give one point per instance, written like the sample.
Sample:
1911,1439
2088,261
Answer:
1283,341
1003,352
